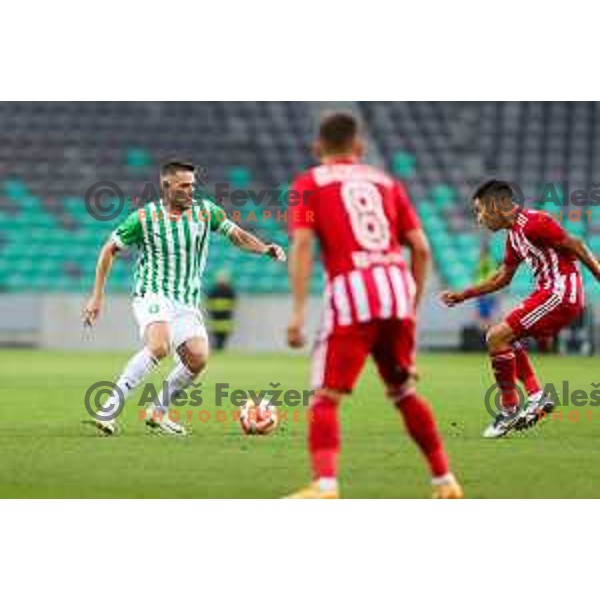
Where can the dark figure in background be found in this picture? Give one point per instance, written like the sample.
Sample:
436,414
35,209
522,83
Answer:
579,337
221,306
486,305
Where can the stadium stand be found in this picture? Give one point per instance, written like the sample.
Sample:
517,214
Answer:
444,149
52,152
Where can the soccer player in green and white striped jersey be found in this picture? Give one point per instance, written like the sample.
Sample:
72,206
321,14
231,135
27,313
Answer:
172,237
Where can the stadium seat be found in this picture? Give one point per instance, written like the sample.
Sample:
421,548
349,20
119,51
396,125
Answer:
441,148
404,164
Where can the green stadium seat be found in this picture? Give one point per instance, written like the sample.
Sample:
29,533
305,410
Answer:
136,158
239,177
29,203
550,195
497,247
522,283
425,208
76,207
594,243
433,224
15,189
37,218
575,227
404,164
443,196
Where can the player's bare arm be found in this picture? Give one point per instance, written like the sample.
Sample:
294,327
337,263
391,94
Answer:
497,281
580,249
93,306
250,243
300,268
420,252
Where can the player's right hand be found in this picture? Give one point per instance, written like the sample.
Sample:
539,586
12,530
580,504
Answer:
91,310
295,333
452,298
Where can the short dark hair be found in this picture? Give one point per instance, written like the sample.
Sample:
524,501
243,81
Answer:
494,188
338,131
174,165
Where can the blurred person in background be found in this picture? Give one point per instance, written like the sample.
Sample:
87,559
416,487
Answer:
487,306
221,301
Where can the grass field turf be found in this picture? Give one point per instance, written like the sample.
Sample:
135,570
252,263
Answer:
47,451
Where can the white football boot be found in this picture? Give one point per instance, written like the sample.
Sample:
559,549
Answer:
535,411
107,427
503,424
161,422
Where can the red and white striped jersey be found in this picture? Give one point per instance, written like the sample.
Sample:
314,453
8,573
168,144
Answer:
535,239
360,216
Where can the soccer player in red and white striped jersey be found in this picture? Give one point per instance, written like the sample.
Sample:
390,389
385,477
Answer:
361,218
535,238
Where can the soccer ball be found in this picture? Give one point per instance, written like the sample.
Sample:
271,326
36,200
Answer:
258,420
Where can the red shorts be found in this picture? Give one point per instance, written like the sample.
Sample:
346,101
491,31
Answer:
544,314
339,358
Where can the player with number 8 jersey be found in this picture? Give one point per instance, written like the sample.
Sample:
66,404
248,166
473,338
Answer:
362,219
361,215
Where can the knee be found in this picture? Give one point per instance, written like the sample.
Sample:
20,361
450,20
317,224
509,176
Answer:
496,338
401,391
196,363
401,383
328,396
159,349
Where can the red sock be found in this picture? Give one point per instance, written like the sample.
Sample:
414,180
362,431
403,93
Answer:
505,370
420,424
324,437
525,370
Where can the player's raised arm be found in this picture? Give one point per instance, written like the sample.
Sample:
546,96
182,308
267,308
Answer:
495,282
550,233
250,243
580,249
240,237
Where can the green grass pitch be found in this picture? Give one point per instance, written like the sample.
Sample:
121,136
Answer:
47,450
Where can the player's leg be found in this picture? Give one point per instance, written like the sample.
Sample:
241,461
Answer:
394,355
337,363
190,363
136,371
526,373
500,339
537,403
190,339
546,321
324,446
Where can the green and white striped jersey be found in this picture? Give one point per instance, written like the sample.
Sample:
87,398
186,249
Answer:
173,248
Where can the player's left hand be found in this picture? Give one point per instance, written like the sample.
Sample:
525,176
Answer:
452,298
295,333
276,252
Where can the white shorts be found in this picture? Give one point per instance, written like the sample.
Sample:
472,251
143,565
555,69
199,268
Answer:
185,322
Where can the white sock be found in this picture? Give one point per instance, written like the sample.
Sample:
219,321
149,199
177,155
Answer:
177,381
448,479
137,369
327,484
536,397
